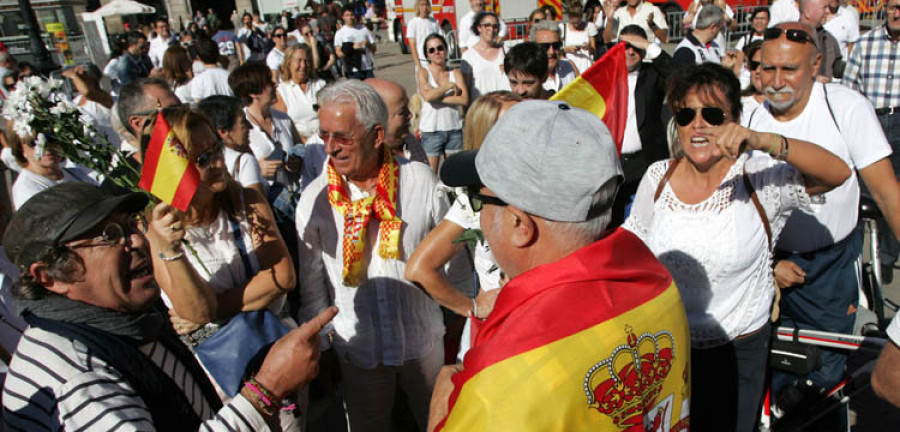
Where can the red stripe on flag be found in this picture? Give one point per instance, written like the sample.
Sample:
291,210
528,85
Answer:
609,77
187,186
151,154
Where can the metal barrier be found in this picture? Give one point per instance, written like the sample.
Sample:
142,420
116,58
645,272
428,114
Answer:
676,28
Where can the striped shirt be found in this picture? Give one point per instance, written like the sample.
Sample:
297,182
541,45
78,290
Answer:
57,384
874,68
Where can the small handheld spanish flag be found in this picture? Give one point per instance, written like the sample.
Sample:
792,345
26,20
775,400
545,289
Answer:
168,172
603,90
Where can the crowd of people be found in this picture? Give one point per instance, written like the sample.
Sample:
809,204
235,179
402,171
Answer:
463,259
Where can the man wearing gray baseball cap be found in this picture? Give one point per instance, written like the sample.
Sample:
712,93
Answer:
559,349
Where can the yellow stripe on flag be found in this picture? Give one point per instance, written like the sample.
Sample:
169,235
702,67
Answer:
564,375
582,94
169,170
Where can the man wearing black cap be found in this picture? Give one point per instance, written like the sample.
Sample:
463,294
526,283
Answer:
98,354
559,349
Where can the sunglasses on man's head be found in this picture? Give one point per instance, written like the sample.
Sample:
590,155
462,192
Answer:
713,115
435,49
793,35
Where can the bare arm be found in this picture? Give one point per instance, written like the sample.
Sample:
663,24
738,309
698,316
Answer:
425,267
430,93
882,182
276,271
461,97
886,376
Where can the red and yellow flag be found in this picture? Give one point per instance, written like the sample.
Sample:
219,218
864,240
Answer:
168,172
597,341
603,90
555,4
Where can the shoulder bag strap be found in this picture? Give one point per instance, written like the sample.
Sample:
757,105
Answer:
665,179
239,239
830,110
759,208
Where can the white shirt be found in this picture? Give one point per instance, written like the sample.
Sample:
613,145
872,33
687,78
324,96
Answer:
747,39
623,18
300,104
29,184
631,141
183,92
562,76
844,30
717,250
262,144
702,53
101,117
243,167
860,143
483,76
438,116
419,29
464,35
356,35
274,59
211,81
158,47
386,320
582,58
783,11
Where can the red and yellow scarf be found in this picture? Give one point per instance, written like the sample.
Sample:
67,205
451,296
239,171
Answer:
357,214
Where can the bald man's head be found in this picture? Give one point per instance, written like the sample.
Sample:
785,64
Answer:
396,100
788,68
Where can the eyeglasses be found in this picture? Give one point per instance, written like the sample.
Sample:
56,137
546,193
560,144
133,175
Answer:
536,20
477,200
712,115
112,234
547,45
435,49
205,159
752,65
494,26
793,35
278,35
636,49
339,138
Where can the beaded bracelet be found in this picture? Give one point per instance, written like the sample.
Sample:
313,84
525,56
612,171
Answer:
785,149
171,258
269,407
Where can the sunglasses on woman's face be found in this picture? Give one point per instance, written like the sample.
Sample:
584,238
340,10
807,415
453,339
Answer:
547,45
712,115
205,159
435,49
793,35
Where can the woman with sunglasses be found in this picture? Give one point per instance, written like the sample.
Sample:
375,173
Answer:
276,54
426,265
482,64
223,255
535,17
443,91
712,216
752,95
297,90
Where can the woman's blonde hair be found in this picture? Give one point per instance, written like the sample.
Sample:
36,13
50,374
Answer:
286,73
182,119
419,3
482,115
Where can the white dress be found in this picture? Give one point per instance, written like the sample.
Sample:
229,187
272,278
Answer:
300,105
717,250
484,76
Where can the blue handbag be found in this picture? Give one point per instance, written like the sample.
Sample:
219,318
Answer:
236,351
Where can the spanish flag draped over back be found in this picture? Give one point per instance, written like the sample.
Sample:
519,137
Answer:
168,172
603,90
597,341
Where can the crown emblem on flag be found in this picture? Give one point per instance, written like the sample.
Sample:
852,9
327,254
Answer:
627,383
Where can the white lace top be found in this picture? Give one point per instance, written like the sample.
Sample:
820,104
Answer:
717,250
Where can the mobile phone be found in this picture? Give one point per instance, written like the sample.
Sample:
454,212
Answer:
277,155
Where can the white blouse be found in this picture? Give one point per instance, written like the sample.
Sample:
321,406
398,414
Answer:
300,105
717,250
262,143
